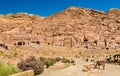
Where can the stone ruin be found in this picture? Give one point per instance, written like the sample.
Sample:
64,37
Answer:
62,41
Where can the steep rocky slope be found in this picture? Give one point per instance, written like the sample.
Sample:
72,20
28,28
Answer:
74,27
87,27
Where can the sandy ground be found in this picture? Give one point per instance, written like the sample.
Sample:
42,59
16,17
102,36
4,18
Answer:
76,70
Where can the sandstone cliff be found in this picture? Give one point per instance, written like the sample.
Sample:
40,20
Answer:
74,27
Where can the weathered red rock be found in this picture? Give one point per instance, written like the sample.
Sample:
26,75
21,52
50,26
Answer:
74,27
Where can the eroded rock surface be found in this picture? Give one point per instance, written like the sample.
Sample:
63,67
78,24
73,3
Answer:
74,27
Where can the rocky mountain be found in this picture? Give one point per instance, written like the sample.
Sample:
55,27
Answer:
73,27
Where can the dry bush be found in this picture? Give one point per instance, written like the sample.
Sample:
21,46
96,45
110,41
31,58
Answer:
31,64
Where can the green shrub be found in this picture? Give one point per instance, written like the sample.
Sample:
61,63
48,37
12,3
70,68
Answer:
72,62
42,59
57,59
31,64
49,62
52,60
6,70
64,60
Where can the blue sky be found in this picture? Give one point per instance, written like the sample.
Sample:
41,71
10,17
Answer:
49,7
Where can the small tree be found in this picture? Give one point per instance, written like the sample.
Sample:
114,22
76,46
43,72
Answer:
49,62
31,64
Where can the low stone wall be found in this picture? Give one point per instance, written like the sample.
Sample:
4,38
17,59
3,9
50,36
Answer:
25,73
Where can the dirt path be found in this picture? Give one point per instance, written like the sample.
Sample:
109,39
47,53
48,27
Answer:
76,70
111,70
